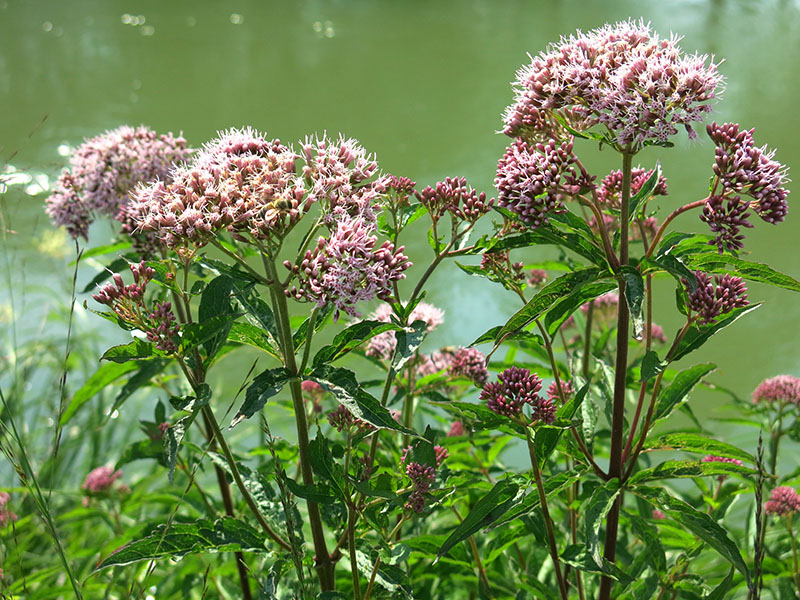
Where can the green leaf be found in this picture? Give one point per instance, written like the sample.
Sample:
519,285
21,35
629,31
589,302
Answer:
752,271
679,389
491,335
488,509
408,340
634,297
578,556
324,466
135,350
595,511
104,376
211,333
672,265
699,523
179,539
564,307
215,303
141,450
258,310
103,250
423,450
547,296
547,437
245,333
265,385
721,591
692,442
173,437
350,338
548,235
646,532
696,337
652,365
674,469
321,494
343,385
645,192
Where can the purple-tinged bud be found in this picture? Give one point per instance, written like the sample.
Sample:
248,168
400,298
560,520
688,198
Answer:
782,501
469,363
710,301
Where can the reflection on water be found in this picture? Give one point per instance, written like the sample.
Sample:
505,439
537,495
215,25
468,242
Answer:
420,84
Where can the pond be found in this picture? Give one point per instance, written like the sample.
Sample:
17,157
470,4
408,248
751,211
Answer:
421,84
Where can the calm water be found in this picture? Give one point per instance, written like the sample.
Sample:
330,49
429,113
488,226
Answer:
421,84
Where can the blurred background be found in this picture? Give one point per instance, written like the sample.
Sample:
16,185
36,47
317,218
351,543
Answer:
420,84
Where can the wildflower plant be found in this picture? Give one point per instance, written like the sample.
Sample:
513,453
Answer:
297,251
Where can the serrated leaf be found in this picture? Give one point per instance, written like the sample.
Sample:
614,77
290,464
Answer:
173,437
107,374
692,442
408,340
644,192
752,271
135,350
324,466
646,532
673,469
696,337
488,509
321,494
343,385
595,511
245,333
210,333
179,539
699,523
350,338
265,385
652,365
215,304
721,591
548,235
547,437
679,389
672,265
563,308
547,296
634,298
258,310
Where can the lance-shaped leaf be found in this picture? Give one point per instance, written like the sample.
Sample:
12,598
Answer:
672,265
245,333
144,376
752,271
211,333
547,437
595,511
256,308
343,385
699,523
578,556
673,469
579,243
679,389
563,308
265,385
653,549
697,336
645,192
135,350
321,494
215,304
408,340
488,509
324,466
106,375
350,338
692,442
179,539
652,365
634,297
547,296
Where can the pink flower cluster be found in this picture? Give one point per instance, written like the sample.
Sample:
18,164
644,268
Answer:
723,459
622,76
421,477
537,277
515,388
382,345
105,168
499,268
343,420
783,388
6,516
609,191
742,169
711,300
456,429
471,364
567,389
347,268
782,501
127,301
100,481
454,196
532,178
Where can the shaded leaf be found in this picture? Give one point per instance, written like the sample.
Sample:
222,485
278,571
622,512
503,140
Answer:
652,365
692,442
265,385
321,494
215,304
680,387
689,468
645,192
324,466
245,333
350,338
595,511
141,450
563,308
104,376
408,340
634,297
135,350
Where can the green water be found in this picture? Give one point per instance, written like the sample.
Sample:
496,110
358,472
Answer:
421,84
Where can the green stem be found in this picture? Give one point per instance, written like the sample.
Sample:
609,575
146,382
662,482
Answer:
796,571
325,568
476,556
620,380
548,522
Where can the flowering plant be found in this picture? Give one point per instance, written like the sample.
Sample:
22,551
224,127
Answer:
395,472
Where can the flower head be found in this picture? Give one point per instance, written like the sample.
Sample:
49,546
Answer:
622,76
454,196
100,480
469,363
456,429
342,419
783,388
567,389
515,388
782,501
104,169
711,300
537,277
6,516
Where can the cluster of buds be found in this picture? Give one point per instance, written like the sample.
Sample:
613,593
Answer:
6,515
347,268
537,277
498,267
397,189
515,388
532,179
778,390
343,420
314,392
621,76
783,501
127,301
421,477
710,300
567,390
471,364
609,192
454,196
456,429
722,459
99,483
